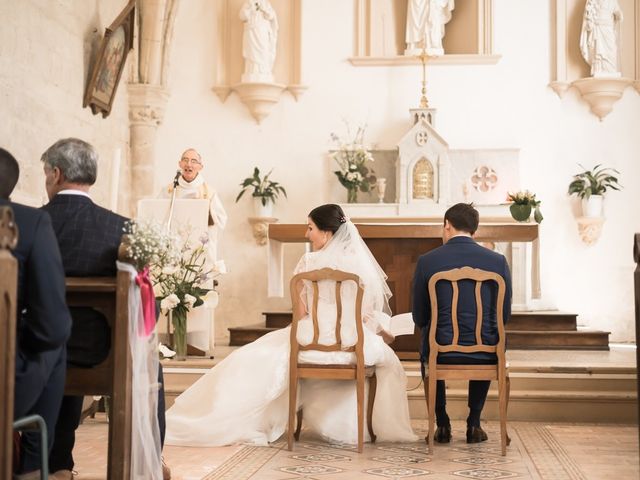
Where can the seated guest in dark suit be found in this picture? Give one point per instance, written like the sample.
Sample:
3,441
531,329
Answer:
88,236
43,321
459,250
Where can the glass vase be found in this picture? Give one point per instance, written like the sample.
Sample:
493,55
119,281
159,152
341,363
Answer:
352,195
179,321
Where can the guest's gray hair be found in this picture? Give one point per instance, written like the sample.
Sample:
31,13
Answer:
76,159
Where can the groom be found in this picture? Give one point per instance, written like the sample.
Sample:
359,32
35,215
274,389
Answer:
459,250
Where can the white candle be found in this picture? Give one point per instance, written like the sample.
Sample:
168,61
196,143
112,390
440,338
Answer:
115,178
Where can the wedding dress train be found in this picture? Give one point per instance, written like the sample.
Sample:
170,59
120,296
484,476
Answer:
244,398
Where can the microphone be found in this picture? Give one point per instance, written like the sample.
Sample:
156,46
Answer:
176,178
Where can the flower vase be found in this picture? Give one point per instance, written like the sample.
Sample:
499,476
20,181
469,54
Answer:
520,212
179,321
352,195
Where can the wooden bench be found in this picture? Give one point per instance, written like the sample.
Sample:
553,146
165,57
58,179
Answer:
112,377
636,278
8,309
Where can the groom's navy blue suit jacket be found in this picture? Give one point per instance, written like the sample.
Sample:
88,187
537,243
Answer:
456,253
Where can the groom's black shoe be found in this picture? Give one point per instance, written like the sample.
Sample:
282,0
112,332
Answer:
443,434
476,435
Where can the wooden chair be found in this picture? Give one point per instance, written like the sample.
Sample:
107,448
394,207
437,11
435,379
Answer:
112,377
437,371
8,309
358,371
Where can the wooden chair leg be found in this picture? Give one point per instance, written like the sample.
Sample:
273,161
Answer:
506,408
373,385
432,409
502,403
299,426
293,390
360,399
425,384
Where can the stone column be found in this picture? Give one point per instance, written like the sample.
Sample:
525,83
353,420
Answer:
146,111
147,90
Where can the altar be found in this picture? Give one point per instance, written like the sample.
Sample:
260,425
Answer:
397,243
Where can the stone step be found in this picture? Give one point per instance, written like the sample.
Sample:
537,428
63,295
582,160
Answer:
567,393
559,340
407,346
543,320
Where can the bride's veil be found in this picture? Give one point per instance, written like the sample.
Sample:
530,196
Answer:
347,251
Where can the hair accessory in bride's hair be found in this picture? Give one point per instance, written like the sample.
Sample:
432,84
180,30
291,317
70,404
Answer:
344,219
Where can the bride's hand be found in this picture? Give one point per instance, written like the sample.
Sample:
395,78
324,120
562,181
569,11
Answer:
386,336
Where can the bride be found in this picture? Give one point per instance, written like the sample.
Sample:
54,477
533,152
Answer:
244,398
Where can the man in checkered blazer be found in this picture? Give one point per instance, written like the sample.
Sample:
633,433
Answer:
89,237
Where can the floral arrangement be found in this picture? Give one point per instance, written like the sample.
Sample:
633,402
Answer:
180,276
522,204
180,283
351,157
148,244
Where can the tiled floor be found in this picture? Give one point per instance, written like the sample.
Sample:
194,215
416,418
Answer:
537,451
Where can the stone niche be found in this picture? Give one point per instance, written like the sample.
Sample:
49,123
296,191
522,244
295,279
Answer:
229,63
380,34
568,68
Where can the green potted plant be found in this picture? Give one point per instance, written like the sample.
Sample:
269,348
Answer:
591,185
264,194
522,204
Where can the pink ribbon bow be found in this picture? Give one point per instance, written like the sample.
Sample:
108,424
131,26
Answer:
148,301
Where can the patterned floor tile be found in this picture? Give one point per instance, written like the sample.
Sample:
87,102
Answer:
485,473
484,460
397,472
402,459
311,469
320,457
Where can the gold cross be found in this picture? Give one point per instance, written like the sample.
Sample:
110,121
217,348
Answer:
424,103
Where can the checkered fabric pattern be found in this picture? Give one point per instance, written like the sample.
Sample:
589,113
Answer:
88,235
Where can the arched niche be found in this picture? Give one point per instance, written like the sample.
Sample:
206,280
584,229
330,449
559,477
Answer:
380,34
422,180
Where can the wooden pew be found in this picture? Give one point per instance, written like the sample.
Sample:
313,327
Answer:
636,277
112,377
8,308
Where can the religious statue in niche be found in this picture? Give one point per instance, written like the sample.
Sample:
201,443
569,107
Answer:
258,41
600,37
422,180
425,26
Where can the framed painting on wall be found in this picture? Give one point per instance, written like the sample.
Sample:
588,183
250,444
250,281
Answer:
110,61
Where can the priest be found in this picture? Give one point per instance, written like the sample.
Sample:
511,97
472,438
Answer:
191,184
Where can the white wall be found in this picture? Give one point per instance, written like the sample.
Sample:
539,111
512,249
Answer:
43,65
45,53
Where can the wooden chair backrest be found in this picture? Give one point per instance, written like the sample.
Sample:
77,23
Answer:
8,310
338,277
112,377
454,276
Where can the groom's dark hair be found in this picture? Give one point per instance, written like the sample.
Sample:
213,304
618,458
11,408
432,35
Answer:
328,218
463,217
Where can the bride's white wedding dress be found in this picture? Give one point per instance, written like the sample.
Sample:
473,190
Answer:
244,398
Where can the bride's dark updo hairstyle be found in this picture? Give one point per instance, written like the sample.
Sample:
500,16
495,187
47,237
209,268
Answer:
328,218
